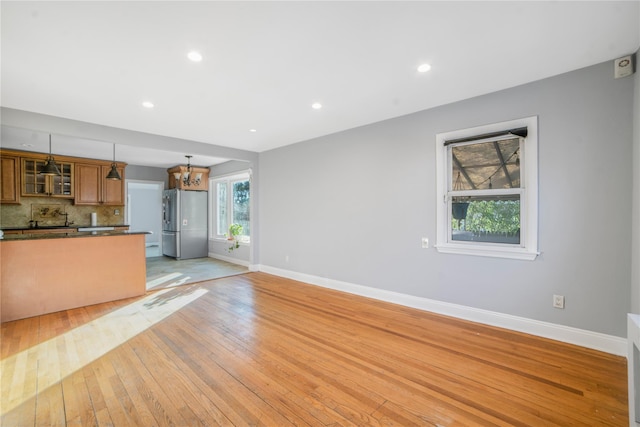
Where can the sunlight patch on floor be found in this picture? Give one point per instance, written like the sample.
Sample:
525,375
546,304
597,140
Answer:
61,356
164,280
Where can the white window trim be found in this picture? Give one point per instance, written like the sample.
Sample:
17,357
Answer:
213,197
528,250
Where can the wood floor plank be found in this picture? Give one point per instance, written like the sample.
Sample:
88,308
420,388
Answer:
167,375
50,407
21,415
77,404
164,410
130,380
95,395
260,350
105,376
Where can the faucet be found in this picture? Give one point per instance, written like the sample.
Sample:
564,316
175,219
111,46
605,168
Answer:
33,224
66,220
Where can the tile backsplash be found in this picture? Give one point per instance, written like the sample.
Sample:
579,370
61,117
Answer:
48,212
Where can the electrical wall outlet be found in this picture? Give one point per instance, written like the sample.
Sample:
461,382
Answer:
116,211
425,243
558,301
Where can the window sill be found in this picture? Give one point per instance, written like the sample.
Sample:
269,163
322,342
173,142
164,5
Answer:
493,252
225,240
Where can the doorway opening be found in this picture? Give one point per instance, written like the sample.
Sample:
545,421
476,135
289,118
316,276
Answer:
144,212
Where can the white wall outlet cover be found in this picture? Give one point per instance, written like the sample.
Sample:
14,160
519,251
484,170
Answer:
558,301
425,242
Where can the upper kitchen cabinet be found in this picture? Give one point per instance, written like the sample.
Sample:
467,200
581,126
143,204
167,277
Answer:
9,179
189,178
36,184
93,188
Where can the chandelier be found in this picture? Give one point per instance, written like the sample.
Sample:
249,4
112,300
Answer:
187,177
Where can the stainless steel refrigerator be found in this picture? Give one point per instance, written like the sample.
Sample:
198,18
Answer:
184,224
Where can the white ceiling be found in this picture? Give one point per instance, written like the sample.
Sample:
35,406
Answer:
265,63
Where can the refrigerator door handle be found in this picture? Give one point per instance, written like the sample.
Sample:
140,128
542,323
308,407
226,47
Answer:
164,213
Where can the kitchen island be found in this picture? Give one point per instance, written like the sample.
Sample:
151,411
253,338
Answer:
45,273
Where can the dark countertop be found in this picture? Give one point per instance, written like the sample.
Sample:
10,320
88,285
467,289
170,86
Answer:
75,234
53,227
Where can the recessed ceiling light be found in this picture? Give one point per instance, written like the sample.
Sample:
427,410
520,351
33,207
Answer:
148,104
194,56
316,106
252,130
423,68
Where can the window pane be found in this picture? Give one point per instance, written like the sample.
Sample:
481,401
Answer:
221,214
485,165
494,219
241,206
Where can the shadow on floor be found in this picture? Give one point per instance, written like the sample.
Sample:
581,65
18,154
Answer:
165,272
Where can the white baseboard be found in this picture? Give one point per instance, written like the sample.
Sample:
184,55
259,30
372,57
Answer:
232,260
594,340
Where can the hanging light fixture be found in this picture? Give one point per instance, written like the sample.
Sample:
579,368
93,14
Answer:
113,173
186,176
50,168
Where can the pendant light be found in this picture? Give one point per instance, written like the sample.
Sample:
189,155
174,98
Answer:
188,177
187,174
113,173
50,167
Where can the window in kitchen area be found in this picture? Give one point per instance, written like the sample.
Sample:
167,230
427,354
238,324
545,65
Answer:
487,190
231,202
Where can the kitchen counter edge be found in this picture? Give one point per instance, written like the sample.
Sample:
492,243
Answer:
53,227
73,235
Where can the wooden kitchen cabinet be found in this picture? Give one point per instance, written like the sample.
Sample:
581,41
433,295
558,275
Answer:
12,232
50,231
75,272
35,184
10,179
198,178
112,190
93,188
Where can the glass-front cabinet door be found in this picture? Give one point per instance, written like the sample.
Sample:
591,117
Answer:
36,184
32,182
62,185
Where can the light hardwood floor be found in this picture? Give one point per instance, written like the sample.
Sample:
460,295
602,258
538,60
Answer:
256,349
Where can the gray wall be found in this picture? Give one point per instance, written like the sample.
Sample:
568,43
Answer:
353,206
230,167
146,173
635,282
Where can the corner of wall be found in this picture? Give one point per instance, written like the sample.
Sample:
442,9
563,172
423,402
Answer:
635,226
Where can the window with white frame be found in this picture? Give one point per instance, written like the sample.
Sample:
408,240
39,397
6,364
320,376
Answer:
487,180
231,200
